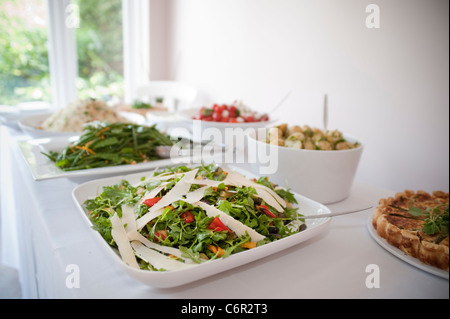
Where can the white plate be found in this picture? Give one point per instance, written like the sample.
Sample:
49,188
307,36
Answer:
10,115
168,279
42,168
31,124
25,108
400,254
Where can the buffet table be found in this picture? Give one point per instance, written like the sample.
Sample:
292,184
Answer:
53,240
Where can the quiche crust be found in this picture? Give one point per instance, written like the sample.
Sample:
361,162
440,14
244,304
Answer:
398,227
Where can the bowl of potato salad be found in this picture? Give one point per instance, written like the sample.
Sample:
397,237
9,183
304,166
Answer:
319,164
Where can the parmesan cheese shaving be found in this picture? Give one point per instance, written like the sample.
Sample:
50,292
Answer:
157,259
128,218
208,182
277,197
164,249
164,177
264,192
269,199
196,195
141,222
153,192
176,193
235,225
119,235
180,189
236,179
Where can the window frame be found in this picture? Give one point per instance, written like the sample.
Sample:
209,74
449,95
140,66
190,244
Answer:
136,42
62,50
62,54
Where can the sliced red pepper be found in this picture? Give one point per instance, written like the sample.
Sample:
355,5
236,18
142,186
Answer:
151,201
160,235
217,225
188,217
267,211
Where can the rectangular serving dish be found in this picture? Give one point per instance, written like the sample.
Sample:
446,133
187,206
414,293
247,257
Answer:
167,279
42,168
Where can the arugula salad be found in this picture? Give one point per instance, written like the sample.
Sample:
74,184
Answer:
183,216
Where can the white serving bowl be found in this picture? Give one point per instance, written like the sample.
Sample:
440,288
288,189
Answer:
31,124
323,176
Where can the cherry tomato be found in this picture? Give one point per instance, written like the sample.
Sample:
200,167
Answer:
217,117
151,201
249,118
232,111
227,114
188,217
160,235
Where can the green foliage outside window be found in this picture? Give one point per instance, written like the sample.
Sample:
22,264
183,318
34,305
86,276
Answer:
24,65
100,49
24,70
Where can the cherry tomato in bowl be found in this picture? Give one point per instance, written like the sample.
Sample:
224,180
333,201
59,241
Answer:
229,114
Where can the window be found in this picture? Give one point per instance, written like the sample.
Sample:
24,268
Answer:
24,64
80,49
99,42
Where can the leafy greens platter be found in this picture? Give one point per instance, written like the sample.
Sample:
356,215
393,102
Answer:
101,149
169,228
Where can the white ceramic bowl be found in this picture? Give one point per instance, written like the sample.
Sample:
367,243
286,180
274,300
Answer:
323,176
30,124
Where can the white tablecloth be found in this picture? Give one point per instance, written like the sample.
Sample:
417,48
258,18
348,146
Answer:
52,235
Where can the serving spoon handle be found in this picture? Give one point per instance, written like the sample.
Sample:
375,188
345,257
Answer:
335,214
325,112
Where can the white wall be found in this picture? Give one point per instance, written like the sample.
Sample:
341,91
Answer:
387,86
159,44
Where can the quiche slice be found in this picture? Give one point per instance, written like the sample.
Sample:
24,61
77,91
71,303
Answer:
417,224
